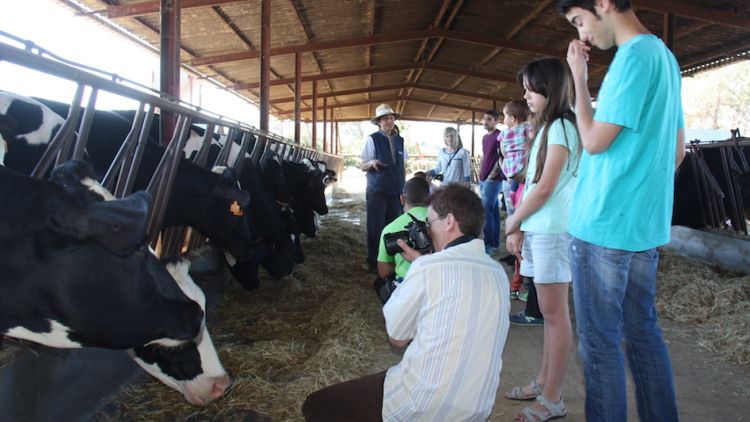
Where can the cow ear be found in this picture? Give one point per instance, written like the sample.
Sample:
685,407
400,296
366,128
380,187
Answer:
119,225
71,174
233,194
229,174
309,164
8,127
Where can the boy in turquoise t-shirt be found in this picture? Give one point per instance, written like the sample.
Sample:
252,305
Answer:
622,207
392,269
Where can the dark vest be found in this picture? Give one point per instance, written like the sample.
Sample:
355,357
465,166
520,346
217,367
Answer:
390,179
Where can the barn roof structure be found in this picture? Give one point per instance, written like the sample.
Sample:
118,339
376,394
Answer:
436,60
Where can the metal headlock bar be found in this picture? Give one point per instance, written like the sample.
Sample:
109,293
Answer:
710,194
125,166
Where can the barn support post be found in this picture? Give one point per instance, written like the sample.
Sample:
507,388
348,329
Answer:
325,123
333,134
297,97
668,33
336,141
265,61
169,35
473,123
315,115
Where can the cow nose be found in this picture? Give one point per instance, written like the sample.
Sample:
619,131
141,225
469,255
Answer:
220,386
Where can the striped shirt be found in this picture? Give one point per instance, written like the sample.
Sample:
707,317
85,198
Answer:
454,304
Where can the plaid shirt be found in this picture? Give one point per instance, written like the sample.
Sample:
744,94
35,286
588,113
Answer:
514,144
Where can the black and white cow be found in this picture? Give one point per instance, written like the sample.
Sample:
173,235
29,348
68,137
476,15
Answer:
687,211
77,272
201,199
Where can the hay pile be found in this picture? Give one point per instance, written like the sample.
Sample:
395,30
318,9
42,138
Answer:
288,338
715,304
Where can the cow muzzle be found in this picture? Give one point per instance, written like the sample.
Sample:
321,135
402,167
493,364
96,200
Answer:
205,390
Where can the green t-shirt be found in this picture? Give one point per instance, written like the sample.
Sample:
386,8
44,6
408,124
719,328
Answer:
399,224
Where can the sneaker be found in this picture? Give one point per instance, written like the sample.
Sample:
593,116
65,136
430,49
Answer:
514,295
523,297
522,319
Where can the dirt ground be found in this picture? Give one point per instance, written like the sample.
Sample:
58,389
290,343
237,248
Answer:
324,325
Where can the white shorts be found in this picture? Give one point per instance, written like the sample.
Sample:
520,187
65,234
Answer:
545,257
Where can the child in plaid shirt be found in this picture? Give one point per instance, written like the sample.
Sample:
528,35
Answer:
514,146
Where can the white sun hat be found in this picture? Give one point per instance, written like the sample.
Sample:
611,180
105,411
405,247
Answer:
383,110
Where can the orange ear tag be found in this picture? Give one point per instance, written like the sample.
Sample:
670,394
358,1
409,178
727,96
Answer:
235,209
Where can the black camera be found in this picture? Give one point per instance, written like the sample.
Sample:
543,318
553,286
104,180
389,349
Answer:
416,235
438,177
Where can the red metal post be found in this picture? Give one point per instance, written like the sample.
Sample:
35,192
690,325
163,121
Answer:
315,115
325,124
265,61
169,82
297,97
668,33
473,123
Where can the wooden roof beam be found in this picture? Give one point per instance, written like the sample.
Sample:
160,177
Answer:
722,17
383,69
403,117
285,113
395,86
715,54
151,7
298,10
236,30
423,45
392,38
522,24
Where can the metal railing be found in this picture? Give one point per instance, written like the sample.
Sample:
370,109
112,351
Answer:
67,145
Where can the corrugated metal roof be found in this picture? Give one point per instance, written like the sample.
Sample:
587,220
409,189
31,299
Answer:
451,57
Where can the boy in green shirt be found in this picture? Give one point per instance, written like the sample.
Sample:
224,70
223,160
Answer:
394,267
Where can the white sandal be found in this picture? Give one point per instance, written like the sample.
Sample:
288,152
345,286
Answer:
554,411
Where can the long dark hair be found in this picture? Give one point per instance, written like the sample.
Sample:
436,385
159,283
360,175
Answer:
550,78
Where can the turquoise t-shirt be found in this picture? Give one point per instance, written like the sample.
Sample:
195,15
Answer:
624,195
552,217
397,225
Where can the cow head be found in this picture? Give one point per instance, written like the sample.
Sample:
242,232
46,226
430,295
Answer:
222,213
183,357
213,205
191,367
306,184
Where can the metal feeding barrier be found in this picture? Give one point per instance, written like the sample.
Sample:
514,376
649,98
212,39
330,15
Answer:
120,177
711,196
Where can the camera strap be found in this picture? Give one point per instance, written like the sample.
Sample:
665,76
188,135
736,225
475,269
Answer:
451,159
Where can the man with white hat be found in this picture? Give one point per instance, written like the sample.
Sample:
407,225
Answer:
383,159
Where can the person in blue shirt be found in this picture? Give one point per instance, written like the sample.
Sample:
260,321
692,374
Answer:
454,161
622,207
383,159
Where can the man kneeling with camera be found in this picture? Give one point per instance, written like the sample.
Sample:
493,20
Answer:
409,226
451,312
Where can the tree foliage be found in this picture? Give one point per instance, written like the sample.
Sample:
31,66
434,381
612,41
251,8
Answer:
718,99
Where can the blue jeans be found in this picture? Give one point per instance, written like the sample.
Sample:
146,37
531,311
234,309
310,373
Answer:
489,191
614,295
